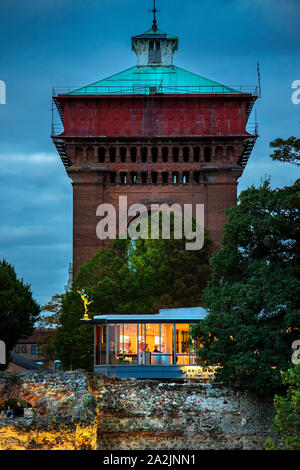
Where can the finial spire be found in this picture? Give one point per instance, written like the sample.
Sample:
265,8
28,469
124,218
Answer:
154,11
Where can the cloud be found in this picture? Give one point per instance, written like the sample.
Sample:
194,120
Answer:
36,220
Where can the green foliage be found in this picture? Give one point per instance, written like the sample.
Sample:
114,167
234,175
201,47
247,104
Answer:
286,150
49,321
253,297
287,419
13,381
130,277
73,342
50,313
18,309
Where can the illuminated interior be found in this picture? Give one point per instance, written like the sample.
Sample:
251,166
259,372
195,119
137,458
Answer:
144,344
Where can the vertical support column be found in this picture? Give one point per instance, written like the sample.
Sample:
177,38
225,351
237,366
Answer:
159,335
139,154
213,153
191,156
137,343
118,154
159,155
174,344
118,177
107,345
159,177
189,345
138,177
180,177
95,346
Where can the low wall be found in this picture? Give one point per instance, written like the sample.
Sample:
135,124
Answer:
151,415
85,411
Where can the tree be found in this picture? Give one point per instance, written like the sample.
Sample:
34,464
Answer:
130,277
254,295
287,419
286,150
18,309
49,321
73,343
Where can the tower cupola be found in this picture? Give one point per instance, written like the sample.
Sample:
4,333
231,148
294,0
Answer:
154,47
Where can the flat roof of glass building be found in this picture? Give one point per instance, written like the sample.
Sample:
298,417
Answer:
165,315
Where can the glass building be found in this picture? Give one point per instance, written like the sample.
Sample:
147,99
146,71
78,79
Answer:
146,346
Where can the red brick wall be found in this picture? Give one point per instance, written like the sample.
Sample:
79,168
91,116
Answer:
216,196
206,120
163,116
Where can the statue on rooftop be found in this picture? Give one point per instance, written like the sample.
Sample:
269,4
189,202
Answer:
86,301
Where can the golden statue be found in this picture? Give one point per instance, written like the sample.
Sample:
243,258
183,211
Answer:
86,301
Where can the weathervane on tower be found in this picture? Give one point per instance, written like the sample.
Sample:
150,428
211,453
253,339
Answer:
154,11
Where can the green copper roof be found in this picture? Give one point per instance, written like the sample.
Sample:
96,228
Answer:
154,79
154,34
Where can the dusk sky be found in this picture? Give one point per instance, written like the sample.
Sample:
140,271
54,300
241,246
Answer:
46,43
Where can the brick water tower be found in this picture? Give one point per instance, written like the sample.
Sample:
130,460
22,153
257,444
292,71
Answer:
156,133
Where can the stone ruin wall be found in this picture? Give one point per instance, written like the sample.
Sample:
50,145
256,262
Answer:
76,410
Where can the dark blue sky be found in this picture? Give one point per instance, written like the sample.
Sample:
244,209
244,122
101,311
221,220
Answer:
76,42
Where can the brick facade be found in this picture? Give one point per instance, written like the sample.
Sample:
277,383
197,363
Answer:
185,148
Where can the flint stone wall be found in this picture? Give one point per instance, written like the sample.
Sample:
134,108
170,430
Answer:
151,415
76,410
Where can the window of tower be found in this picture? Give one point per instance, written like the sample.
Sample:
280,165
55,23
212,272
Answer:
154,54
175,178
165,177
112,177
154,153
186,154
133,177
207,154
144,152
123,152
101,154
196,176
112,154
123,178
230,152
196,154
175,152
219,152
144,178
185,177
78,153
133,154
154,177
165,154
90,153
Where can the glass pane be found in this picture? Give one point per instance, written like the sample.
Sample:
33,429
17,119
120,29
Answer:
182,344
129,344
114,344
97,345
167,341
193,356
153,344
144,355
